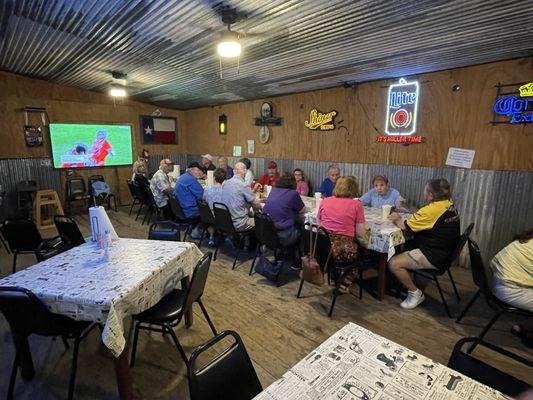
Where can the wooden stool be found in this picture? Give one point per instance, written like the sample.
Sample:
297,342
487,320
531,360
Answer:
46,198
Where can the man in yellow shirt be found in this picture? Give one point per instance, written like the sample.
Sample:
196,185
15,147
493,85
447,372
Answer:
436,231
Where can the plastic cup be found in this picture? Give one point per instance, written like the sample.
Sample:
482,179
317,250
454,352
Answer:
318,199
268,189
385,212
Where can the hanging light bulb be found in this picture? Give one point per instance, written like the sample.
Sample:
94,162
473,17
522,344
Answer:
229,45
118,92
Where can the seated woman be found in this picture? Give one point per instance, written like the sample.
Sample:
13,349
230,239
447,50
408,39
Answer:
512,270
381,194
139,174
285,206
436,230
344,219
301,183
212,195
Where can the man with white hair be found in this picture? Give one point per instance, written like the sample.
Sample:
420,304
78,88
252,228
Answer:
327,186
161,189
239,198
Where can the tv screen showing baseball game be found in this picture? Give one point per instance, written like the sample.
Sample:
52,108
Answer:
90,145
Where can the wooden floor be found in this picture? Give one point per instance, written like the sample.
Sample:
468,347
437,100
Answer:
278,330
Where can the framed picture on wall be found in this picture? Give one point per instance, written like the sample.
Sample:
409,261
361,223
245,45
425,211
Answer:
158,130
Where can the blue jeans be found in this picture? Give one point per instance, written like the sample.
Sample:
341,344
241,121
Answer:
289,236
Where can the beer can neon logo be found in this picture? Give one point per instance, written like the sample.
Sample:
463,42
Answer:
402,107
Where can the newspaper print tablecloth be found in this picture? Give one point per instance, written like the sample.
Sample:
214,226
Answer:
80,284
357,364
384,235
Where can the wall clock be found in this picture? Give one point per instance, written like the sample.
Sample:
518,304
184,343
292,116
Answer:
264,134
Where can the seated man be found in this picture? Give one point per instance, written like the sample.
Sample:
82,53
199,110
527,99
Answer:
381,194
223,163
212,195
188,190
327,186
239,198
269,178
436,230
160,187
207,163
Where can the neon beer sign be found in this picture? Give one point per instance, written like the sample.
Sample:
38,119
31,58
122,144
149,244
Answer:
517,107
402,107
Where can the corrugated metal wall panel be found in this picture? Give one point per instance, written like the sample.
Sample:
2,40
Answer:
498,202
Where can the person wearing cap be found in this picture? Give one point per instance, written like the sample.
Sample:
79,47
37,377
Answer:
161,189
223,163
188,190
269,178
207,163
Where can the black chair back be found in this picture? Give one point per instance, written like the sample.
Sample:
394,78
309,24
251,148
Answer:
228,376
52,247
21,234
485,373
266,232
176,208
76,186
223,221
146,194
164,230
323,245
91,180
460,244
26,314
206,215
195,290
479,274
135,190
67,227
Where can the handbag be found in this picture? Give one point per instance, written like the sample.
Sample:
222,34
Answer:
311,271
267,268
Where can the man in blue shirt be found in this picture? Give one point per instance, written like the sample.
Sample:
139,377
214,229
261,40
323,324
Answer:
327,186
382,194
188,190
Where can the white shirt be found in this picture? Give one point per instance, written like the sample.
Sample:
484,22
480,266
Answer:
249,178
158,184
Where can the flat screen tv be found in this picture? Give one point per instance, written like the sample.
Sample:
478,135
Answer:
90,145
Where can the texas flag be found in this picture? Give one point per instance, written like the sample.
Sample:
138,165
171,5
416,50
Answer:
158,130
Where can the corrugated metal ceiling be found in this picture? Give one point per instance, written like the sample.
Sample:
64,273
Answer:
167,47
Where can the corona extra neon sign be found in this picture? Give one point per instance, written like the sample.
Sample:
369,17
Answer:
402,107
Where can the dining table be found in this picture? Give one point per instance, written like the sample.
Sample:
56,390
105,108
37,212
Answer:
356,363
86,284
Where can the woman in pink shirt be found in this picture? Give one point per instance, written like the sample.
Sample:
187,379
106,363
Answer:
344,219
301,183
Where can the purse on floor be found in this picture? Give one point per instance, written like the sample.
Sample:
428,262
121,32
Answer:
311,271
267,268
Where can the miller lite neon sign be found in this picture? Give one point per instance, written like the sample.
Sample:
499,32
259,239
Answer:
402,107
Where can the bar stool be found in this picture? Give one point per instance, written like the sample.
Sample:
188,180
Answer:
45,198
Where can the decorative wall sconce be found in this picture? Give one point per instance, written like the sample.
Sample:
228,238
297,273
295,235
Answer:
222,124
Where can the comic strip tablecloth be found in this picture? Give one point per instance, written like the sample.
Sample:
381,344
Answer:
79,283
355,363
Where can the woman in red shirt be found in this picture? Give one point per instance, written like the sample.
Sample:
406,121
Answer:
344,219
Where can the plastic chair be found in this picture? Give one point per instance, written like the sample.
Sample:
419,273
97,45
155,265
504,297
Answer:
147,200
103,196
76,192
206,217
224,224
434,274
22,236
135,194
52,247
164,230
67,227
480,279
181,219
28,316
228,376
485,373
169,311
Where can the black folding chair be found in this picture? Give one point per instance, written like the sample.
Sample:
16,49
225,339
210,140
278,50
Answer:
169,311
206,218
433,274
228,376
67,227
266,234
487,374
76,192
27,316
135,195
480,279
103,197
164,230
148,200
23,237
52,247
181,219
224,225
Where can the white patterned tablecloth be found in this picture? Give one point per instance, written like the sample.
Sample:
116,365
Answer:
80,284
355,363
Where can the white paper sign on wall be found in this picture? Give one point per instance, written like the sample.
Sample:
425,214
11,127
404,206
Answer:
237,150
251,146
461,158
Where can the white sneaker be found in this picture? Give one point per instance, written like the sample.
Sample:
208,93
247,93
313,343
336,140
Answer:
413,299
